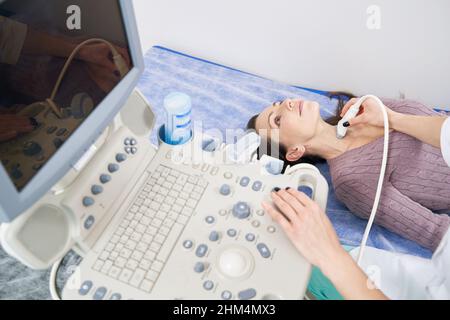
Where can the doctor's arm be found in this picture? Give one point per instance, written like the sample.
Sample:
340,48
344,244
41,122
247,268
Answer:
312,233
426,126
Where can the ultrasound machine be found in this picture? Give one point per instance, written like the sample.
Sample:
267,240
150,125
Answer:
149,222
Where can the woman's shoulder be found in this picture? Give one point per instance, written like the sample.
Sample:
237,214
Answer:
409,107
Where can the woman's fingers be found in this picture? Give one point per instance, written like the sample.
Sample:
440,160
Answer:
278,217
284,207
361,119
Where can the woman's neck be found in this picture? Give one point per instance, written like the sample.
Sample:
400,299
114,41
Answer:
326,145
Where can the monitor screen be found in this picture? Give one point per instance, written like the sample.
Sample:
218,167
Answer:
36,39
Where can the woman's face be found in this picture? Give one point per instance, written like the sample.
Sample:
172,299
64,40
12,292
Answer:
296,120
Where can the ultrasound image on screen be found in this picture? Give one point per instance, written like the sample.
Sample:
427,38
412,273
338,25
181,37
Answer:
36,39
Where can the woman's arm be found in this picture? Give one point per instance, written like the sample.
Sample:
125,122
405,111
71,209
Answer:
409,117
312,233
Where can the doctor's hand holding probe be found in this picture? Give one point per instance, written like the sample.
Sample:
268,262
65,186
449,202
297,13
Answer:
312,233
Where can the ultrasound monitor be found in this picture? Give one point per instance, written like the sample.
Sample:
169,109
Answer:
45,128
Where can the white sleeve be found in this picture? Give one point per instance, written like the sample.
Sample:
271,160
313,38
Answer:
445,141
398,276
439,287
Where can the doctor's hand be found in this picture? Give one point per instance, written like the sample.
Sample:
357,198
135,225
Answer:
12,125
369,114
307,226
312,233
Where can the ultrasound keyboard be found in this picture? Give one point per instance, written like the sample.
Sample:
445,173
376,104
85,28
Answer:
141,244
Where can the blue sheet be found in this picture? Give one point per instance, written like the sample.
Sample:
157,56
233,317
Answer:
225,98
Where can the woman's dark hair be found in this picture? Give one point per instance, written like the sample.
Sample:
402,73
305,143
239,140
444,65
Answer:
342,98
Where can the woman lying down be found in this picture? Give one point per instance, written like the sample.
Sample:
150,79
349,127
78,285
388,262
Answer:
417,183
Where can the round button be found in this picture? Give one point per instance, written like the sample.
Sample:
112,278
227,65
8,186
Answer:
133,142
257,186
120,157
51,130
113,167
241,210
256,224
89,222
228,175
188,244
32,148
210,220
127,142
235,263
88,201
201,250
214,236
96,190
85,288
223,212
134,150
225,190
250,237
199,267
128,150
244,181
226,295
306,190
208,285
57,142
232,233
271,229
116,296
105,178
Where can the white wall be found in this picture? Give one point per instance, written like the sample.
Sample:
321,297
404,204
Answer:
323,44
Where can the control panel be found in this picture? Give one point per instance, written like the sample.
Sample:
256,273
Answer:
194,229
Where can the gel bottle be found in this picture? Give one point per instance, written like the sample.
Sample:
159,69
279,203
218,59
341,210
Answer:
178,128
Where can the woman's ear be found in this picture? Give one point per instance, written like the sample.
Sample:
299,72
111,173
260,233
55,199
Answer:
294,153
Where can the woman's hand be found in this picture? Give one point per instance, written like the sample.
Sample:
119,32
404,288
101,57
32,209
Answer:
101,55
369,114
307,226
12,125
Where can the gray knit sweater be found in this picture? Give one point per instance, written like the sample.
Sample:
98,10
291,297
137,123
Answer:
417,183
